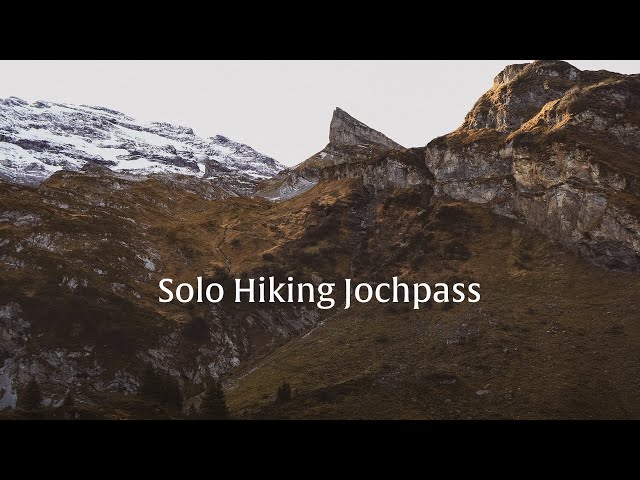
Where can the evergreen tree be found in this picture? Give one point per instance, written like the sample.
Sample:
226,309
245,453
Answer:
284,393
160,388
214,404
31,398
191,412
69,402
173,394
151,385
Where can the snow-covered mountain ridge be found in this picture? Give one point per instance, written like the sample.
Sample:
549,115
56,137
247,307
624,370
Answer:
39,139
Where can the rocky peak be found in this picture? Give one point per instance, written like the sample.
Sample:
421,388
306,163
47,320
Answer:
519,92
554,69
540,68
220,139
347,131
508,74
13,101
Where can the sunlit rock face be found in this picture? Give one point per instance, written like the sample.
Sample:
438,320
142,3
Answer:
558,148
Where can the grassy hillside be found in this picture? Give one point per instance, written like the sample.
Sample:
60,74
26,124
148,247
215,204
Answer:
552,337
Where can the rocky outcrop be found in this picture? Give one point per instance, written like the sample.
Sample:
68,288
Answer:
397,169
557,148
519,92
352,145
66,369
14,335
346,131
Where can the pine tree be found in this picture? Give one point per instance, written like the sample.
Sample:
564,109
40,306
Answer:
151,387
160,388
31,398
214,404
191,412
69,402
284,393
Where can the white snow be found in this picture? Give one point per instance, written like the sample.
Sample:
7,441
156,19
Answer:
44,137
150,138
223,150
14,158
136,164
92,149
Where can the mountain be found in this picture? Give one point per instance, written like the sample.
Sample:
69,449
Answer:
534,197
81,258
354,149
39,139
549,145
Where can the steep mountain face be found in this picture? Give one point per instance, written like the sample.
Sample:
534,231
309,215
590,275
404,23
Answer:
546,159
557,148
39,139
354,151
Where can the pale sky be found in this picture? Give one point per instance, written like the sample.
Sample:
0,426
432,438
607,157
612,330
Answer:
281,108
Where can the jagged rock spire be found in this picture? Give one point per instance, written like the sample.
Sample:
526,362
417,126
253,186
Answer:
346,130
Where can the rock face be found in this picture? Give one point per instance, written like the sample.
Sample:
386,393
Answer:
346,131
352,150
557,148
391,169
39,139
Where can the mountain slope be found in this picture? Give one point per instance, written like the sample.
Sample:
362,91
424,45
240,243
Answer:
39,139
82,255
549,145
553,337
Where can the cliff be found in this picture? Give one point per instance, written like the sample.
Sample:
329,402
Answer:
556,148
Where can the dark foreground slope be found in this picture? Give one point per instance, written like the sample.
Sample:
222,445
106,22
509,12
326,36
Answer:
553,336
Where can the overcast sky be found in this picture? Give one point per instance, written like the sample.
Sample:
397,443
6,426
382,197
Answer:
281,108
